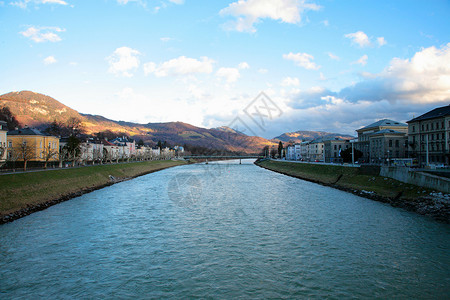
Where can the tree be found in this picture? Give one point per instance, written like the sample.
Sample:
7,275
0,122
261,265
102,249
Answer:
48,154
140,143
273,153
73,149
7,116
280,149
347,155
74,125
26,153
265,151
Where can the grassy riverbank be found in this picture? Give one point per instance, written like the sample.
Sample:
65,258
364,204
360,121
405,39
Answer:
372,186
23,193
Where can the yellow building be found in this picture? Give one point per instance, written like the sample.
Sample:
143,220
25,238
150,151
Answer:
3,131
29,144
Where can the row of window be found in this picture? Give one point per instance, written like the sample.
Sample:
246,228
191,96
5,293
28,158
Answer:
432,126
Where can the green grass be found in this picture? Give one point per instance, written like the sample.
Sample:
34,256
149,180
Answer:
348,178
24,189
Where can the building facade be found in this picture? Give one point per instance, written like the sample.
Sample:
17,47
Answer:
369,139
29,144
429,137
333,149
3,140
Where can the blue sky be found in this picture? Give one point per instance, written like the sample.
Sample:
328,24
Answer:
325,65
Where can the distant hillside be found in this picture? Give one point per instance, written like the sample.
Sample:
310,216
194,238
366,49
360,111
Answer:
37,110
299,136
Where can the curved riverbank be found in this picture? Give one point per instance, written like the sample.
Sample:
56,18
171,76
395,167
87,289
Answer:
25,193
410,197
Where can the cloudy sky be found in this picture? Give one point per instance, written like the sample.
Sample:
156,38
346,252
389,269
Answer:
322,65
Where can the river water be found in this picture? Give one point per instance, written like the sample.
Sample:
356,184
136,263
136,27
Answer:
225,231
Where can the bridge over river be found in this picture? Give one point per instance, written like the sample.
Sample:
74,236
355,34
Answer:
213,157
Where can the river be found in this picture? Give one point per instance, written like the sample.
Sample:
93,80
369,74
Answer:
223,230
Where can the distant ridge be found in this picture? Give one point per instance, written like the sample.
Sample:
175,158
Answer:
38,110
304,135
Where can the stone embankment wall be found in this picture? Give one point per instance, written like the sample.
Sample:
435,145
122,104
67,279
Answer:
417,178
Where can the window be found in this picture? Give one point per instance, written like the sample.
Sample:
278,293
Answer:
390,143
432,136
432,126
397,144
10,144
414,128
427,127
424,129
335,147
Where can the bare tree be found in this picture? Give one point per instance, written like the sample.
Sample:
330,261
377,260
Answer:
26,153
49,154
62,156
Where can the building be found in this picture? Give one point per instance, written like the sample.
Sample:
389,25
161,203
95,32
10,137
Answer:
29,144
293,152
304,147
315,150
111,152
91,150
3,140
387,144
429,137
127,147
333,149
368,135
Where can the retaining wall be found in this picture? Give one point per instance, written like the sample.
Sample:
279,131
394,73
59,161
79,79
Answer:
417,178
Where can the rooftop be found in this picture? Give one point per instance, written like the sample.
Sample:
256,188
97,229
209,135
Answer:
435,113
387,131
26,131
384,122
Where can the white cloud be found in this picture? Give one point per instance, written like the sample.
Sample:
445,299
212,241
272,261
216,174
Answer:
359,38
381,41
325,22
290,81
243,65
54,2
304,60
425,78
322,77
50,60
180,66
362,60
249,12
229,74
177,1
263,71
333,57
123,61
43,34
24,4
165,39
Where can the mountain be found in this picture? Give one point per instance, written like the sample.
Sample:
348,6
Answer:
37,110
303,135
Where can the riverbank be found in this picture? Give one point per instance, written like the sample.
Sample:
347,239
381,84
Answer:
413,198
25,193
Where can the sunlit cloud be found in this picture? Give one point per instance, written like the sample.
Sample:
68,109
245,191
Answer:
362,60
303,60
50,60
359,38
249,12
24,4
333,57
43,34
180,66
243,65
123,61
230,75
381,41
290,81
